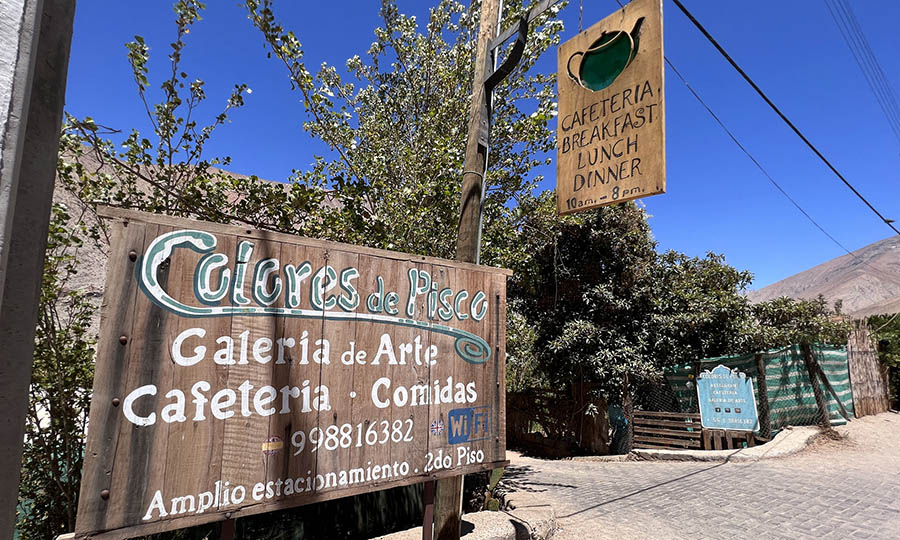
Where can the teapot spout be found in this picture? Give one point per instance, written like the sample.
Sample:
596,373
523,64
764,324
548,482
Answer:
636,31
635,38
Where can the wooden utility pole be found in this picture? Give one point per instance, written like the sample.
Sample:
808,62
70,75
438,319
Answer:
468,243
35,37
448,491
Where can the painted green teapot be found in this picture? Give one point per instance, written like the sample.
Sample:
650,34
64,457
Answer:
606,58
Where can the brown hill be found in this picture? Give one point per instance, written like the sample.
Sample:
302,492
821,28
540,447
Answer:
868,281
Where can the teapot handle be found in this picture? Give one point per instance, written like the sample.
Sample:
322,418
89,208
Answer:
569,68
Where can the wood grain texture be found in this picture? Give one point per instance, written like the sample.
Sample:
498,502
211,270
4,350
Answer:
116,321
611,142
110,212
318,381
868,376
140,457
656,429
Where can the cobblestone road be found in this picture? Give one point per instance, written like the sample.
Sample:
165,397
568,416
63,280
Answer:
834,489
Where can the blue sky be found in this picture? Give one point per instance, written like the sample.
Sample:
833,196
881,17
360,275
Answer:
717,200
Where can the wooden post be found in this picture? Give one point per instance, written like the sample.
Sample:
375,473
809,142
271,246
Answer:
468,243
811,365
448,491
762,390
830,389
628,411
227,530
428,518
448,507
35,38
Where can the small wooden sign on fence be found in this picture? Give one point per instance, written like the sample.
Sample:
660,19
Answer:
242,371
611,144
727,400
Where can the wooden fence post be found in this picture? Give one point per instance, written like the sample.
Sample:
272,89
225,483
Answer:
811,366
628,411
762,389
827,384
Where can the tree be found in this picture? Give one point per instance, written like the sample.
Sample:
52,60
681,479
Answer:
391,182
700,310
589,297
787,321
601,304
396,125
886,332
171,174
59,395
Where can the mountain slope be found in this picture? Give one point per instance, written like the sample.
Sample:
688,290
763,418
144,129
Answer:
868,282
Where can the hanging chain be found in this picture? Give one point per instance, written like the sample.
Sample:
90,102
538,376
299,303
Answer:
580,12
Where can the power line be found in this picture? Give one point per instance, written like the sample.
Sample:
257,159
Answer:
860,56
762,169
769,176
706,34
867,50
848,25
752,158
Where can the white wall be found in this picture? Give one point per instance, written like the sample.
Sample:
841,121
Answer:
17,40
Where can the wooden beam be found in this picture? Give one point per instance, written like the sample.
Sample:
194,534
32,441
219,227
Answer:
668,432
660,414
762,390
448,508
227,530
824,420
468,243
36,39
448,492
662,441
694,424
628,411
830,388
428,517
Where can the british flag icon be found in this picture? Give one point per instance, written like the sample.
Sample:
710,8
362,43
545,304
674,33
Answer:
437,427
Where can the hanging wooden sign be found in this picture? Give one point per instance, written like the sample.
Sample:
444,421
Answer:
243,371
611,116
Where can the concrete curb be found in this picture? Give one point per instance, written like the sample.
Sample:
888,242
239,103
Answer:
789,441
536,516
603,459
528,519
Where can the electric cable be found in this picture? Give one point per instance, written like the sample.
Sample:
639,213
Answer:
752,158
765,172
878,72
762,169
712,40
848,25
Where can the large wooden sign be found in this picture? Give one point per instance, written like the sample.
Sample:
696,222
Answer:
611,122
242,371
